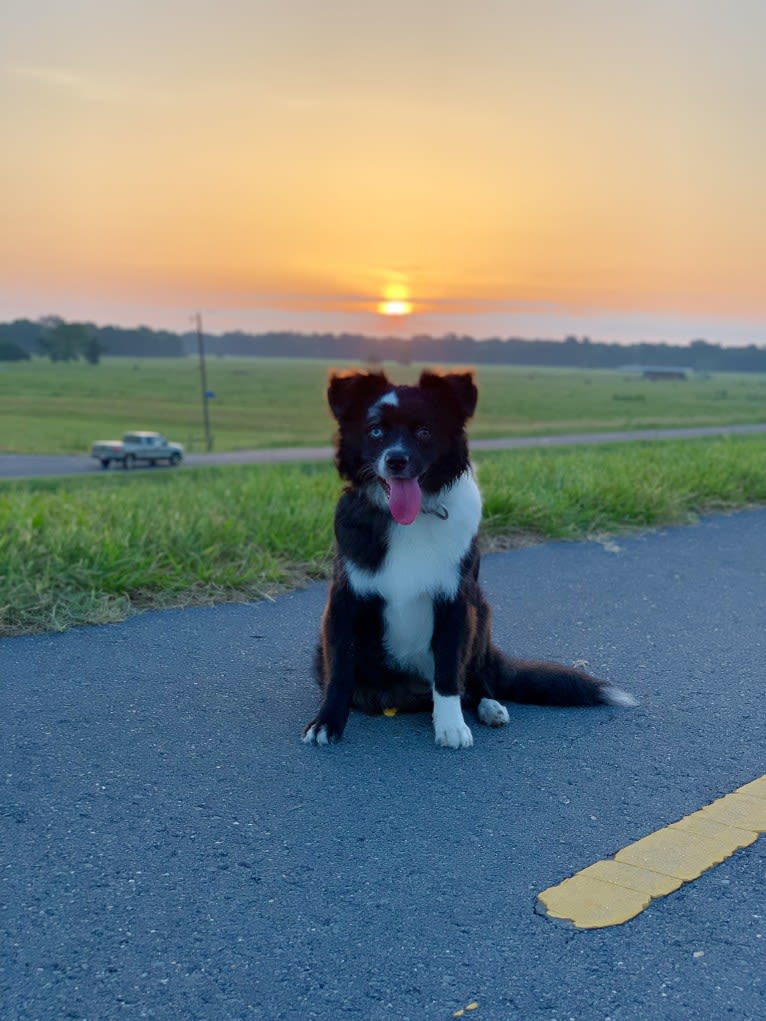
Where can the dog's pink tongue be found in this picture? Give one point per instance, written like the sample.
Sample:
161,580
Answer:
404,500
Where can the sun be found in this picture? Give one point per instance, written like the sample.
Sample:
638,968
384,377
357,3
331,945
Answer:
396,300
395,307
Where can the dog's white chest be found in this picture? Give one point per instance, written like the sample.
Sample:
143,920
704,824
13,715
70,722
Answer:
422,563
408,629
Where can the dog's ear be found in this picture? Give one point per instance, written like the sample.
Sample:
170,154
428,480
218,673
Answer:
347,391
456,387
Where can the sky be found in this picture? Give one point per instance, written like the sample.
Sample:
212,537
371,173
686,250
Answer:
503,168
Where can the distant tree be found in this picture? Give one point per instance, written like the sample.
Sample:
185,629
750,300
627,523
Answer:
142,342
22,332
706,357
10,352
64,342
93,348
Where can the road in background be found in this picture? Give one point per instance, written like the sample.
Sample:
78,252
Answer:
172,850
37,465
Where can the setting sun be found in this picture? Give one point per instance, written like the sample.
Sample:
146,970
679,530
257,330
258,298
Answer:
396,298
395,307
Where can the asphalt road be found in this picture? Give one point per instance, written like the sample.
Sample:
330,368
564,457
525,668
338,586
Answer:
39,465
172,851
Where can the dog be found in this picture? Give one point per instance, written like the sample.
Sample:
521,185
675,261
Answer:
406,626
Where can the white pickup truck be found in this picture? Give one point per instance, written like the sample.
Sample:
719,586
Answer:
137,447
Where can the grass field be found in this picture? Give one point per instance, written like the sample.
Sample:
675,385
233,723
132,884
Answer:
63,408
95,549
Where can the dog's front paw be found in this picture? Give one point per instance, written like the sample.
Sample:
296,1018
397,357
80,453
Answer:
456,736
322,732
316,734
450,729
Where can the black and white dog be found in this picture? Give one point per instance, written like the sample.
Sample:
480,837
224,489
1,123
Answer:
406,626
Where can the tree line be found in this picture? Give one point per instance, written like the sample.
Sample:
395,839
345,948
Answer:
62,341
65,342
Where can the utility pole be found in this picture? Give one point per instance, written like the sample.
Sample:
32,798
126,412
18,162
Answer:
203,380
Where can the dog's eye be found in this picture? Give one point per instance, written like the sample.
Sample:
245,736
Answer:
423,433
375,432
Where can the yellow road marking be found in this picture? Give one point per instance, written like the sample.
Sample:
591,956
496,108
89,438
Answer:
616,889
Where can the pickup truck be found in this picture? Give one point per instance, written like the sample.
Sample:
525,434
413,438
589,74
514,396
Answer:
137,447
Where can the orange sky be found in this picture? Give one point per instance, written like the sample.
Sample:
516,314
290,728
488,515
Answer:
512,168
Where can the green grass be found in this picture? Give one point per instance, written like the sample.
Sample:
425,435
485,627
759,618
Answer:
96,549
63,408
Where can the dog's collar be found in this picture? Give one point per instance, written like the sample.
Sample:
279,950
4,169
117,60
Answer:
440,511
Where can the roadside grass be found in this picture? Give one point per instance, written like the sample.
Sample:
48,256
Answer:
263,402
89,550
94,550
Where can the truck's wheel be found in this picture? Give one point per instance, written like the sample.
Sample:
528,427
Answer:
129,461
104,462
174,460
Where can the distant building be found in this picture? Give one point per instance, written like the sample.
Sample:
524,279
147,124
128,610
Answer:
659,372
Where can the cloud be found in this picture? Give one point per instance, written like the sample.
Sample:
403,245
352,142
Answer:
72,83
54,77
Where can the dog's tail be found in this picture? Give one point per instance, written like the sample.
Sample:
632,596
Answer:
536,682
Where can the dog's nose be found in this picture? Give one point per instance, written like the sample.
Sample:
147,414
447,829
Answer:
397,461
